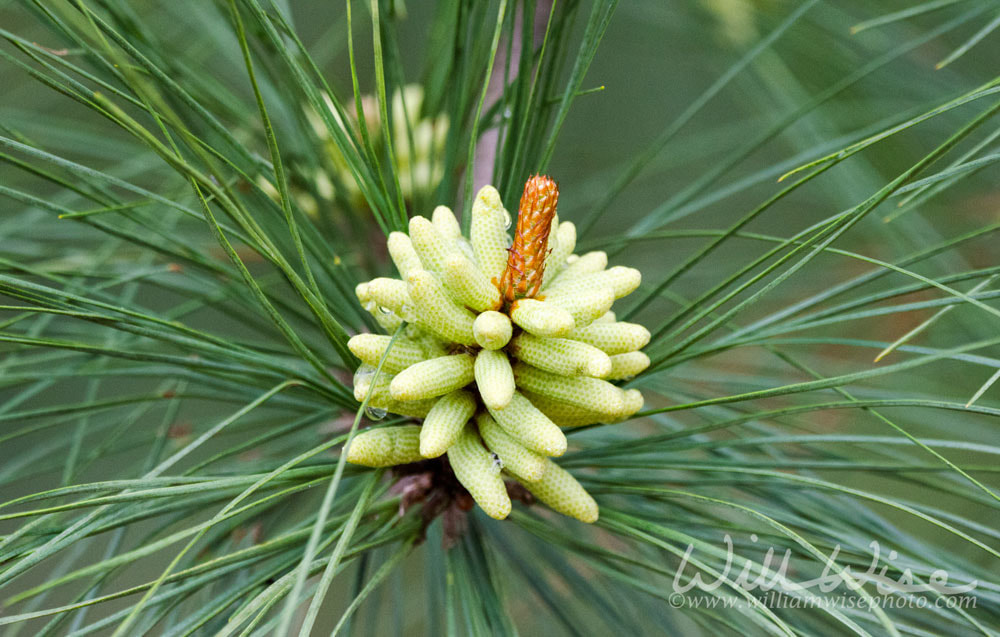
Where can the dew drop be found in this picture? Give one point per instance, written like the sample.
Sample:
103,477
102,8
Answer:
375,413
497,463
363,374
384,310
506,218
510,240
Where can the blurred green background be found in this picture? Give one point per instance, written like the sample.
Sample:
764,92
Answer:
656,60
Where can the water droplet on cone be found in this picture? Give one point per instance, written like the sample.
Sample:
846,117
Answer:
375,413
363,373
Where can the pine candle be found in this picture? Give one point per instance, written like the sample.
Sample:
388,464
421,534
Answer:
507,342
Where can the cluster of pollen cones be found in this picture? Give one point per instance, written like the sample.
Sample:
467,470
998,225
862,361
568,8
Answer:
506,342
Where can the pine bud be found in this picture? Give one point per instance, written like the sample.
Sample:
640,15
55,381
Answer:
446,224
488,232
540,318
469,284
492,330
633,403
433,377
382,399
403,255
565,235
622,280
628,365
612,338
561,492
390,295
494,378
475,469
361,291
584,306
370,348
525,464
430,246
530,427
437,312
585,264
444,422
566,415
385,447
561,356
587,393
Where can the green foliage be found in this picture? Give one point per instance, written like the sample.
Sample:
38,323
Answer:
806,186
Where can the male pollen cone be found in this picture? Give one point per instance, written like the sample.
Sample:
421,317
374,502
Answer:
522,277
